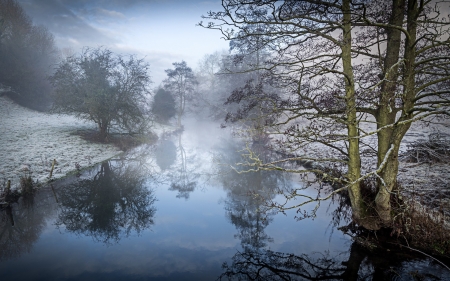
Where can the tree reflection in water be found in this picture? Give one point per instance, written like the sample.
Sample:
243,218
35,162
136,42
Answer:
185,174
360,264
247,195
22,223
166,154
112,204
268,265
248,209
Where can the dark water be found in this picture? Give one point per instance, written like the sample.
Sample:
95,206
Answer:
176,211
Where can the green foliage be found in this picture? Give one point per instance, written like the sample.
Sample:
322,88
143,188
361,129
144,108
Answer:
26,53
109,89
163,106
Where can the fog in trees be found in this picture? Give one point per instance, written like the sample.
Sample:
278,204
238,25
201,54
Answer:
27,53
163,106
318,97
108,89
181,81
342,86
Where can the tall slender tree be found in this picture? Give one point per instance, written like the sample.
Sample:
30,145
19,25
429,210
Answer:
181,81
350,70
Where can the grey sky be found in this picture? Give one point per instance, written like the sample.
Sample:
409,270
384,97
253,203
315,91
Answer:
164,31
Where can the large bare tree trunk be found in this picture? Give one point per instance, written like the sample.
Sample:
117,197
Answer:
103,130
354,161
389,174
386,115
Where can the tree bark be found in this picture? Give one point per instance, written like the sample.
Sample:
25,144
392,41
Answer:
386,114
354,161
389,174
103,128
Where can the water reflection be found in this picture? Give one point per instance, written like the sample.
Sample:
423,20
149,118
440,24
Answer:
21,224
248,209
190,239
247,195
185,173
108,206
269,265
359,264
166,154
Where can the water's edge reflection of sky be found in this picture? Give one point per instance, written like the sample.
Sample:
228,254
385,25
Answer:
179,213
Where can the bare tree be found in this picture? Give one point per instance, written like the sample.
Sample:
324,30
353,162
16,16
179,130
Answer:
350,70
108,89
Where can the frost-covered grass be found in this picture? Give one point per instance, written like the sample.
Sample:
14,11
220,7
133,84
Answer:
30,140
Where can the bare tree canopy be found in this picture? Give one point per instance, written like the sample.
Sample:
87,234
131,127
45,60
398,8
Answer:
109,89
350,70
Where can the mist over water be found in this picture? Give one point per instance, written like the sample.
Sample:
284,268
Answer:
185,216
198,116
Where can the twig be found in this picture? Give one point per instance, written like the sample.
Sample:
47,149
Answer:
435,259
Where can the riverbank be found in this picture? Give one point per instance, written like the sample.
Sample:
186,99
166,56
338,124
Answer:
31,140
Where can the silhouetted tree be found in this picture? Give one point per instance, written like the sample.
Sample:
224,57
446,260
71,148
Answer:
163,106
181,81
109,89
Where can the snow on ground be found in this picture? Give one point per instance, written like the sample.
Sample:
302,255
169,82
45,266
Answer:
30,140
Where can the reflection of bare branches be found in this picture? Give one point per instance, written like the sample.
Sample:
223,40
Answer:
111,204
358,264
269,265
183,178
247,194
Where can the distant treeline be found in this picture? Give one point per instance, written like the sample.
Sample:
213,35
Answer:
27,52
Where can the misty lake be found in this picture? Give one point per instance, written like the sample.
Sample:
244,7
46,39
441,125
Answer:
176,211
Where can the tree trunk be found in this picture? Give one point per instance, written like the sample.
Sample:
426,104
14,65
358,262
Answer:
354,161
386,186
103,130
396,134
386,114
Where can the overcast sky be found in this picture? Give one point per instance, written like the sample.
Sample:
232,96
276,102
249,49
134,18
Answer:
164,31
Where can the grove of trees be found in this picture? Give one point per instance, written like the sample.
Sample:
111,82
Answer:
347,71
26,55
108,89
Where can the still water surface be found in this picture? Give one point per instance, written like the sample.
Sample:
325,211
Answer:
176,211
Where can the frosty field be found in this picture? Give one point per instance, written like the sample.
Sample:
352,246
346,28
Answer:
30,140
